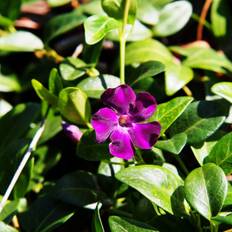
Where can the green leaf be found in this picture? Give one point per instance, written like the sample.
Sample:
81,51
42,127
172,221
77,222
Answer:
173,17
200,120
207,58
58,25
97,26
9,83
6,228
119,224
158,184
201,151
43,93
116,8
89,149
10,8
97,223
173,145
146,50
45,214
55,83
148,69
72,68
223,89
74,105
221,18
169,111
209,182
176,77
57,3
20,41
95,86
221,153
224,219
4,107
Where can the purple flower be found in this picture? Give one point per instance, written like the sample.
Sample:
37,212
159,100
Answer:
121,121
72,131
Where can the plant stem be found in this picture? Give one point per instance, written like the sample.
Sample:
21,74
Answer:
22,164
122,40
181,163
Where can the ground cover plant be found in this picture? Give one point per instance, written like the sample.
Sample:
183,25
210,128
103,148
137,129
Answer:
115,115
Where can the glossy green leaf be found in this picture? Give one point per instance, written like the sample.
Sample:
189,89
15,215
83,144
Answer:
202,151
173,145
5,22
221,18
45,214
57,3
176,77
9,83
208,59
74,105
95,86
58,25
158,184
136,32
4,107
78,188
209,182
173,17
43,93
92,8
116,8
10,8
97,26
146,50
54,82
148,69
228,200
168,112
200,120
89,149
221,153
119,224
97,223
20,41
6,228
223,89
224,219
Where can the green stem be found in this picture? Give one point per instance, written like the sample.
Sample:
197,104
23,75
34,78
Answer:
213,227
181,163
122,39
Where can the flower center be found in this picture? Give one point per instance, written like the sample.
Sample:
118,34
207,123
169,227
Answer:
124,120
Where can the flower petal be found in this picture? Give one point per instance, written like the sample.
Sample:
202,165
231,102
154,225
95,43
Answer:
119,98
145,106
103,123
121,146
144,135
72,131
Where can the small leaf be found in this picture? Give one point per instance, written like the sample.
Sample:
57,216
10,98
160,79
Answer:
173,17
20,41
95,86
4,107
173,145
209,182
168,112
224,219
58,25
147,50
116,8
119,224
223,89
176,77
89,149
97,26
148,69
97,223
158,184
43,93
200,120
57,3
221,153
9,83
74,105
55,83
